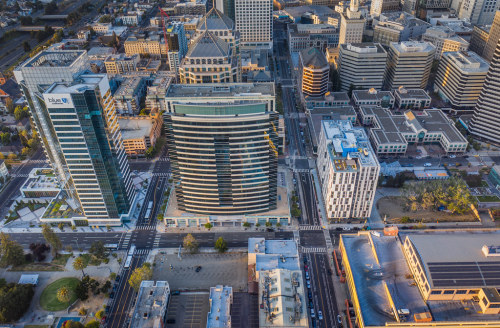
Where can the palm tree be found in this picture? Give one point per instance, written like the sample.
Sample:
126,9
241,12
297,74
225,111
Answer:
79,264
64,294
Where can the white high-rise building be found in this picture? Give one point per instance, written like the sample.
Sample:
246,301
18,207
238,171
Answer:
348,170
362,65
479,12
409,64
254,21
351,25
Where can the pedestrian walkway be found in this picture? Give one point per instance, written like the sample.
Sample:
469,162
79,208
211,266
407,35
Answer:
309,227
22,175
156,243
126,240
161,174
164,159
145,227
142,251
313,250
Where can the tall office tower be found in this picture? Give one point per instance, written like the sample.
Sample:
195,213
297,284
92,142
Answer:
420,8
210,60
460,78
221,26
315,72
362,65
45,68
479,39
445,40
254,21
485,123
493,38
351,25
226,7
409,64
381,6
83,116
176,45
223,142
348,170
479,12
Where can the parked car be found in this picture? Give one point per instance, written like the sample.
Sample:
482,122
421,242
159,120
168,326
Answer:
112,295
453,156
307,275
427,165
308,284
313,315
198,268
310,295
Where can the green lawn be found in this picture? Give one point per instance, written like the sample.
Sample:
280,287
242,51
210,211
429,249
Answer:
48,299
56,265
488,198
61,259
89,259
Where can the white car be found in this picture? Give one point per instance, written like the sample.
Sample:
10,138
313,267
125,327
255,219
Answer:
320,315
346,228
313,315
453,156
308,284
427,165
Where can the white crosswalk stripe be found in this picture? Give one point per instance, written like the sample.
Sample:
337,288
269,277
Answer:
301,170
162,174
38,161
20,175
126,240
313,249
156,244
309,227
164,159
145,227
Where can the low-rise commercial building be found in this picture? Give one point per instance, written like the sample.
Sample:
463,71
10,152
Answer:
40,183
381,274
445,40
129,94
411,98
132,18
392,133
156,94
153,46
150,309
460,78
121,63
348,171
362,65
220,300
330,99
373,97
304,36
139,133
397,27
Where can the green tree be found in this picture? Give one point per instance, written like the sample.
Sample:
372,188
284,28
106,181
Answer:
269,224
51,238
143,112
246,225
79,264
11,252
50,8
9,104
98,250
93,324
190,243
143,273
63,294
5,138
99,314
15,300
208,225
220,245
72,324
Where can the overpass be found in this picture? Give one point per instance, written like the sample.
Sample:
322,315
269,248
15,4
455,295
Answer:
35,28
53,17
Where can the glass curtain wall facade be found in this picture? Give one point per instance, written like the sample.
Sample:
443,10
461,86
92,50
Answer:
84,121
224,157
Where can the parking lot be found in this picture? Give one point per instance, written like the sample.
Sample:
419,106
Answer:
216,269
188,310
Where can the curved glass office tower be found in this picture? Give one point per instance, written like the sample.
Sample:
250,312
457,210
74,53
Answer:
223,146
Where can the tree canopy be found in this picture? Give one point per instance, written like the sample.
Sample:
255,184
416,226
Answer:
15,300
190,243
221,245
142,273
51,238
11,252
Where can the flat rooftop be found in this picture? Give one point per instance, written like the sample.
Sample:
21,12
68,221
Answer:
364,47
51,58
468,61
129,86
457,259
151,304
80,85
137,127
391,127
349,146
217,90
404,93
274,254
41,179
371,95
380,274
413,46
221,298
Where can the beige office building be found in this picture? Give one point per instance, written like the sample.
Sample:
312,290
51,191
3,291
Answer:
409,64
315,72
352,25
493,38
460,78
153,46
121,63
445,40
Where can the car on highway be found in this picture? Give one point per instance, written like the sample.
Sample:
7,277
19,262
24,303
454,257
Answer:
320,315
427,165
313,315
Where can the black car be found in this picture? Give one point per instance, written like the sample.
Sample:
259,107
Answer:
198,268
311,305
117,278
112,295
106,309
305,259
310,295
